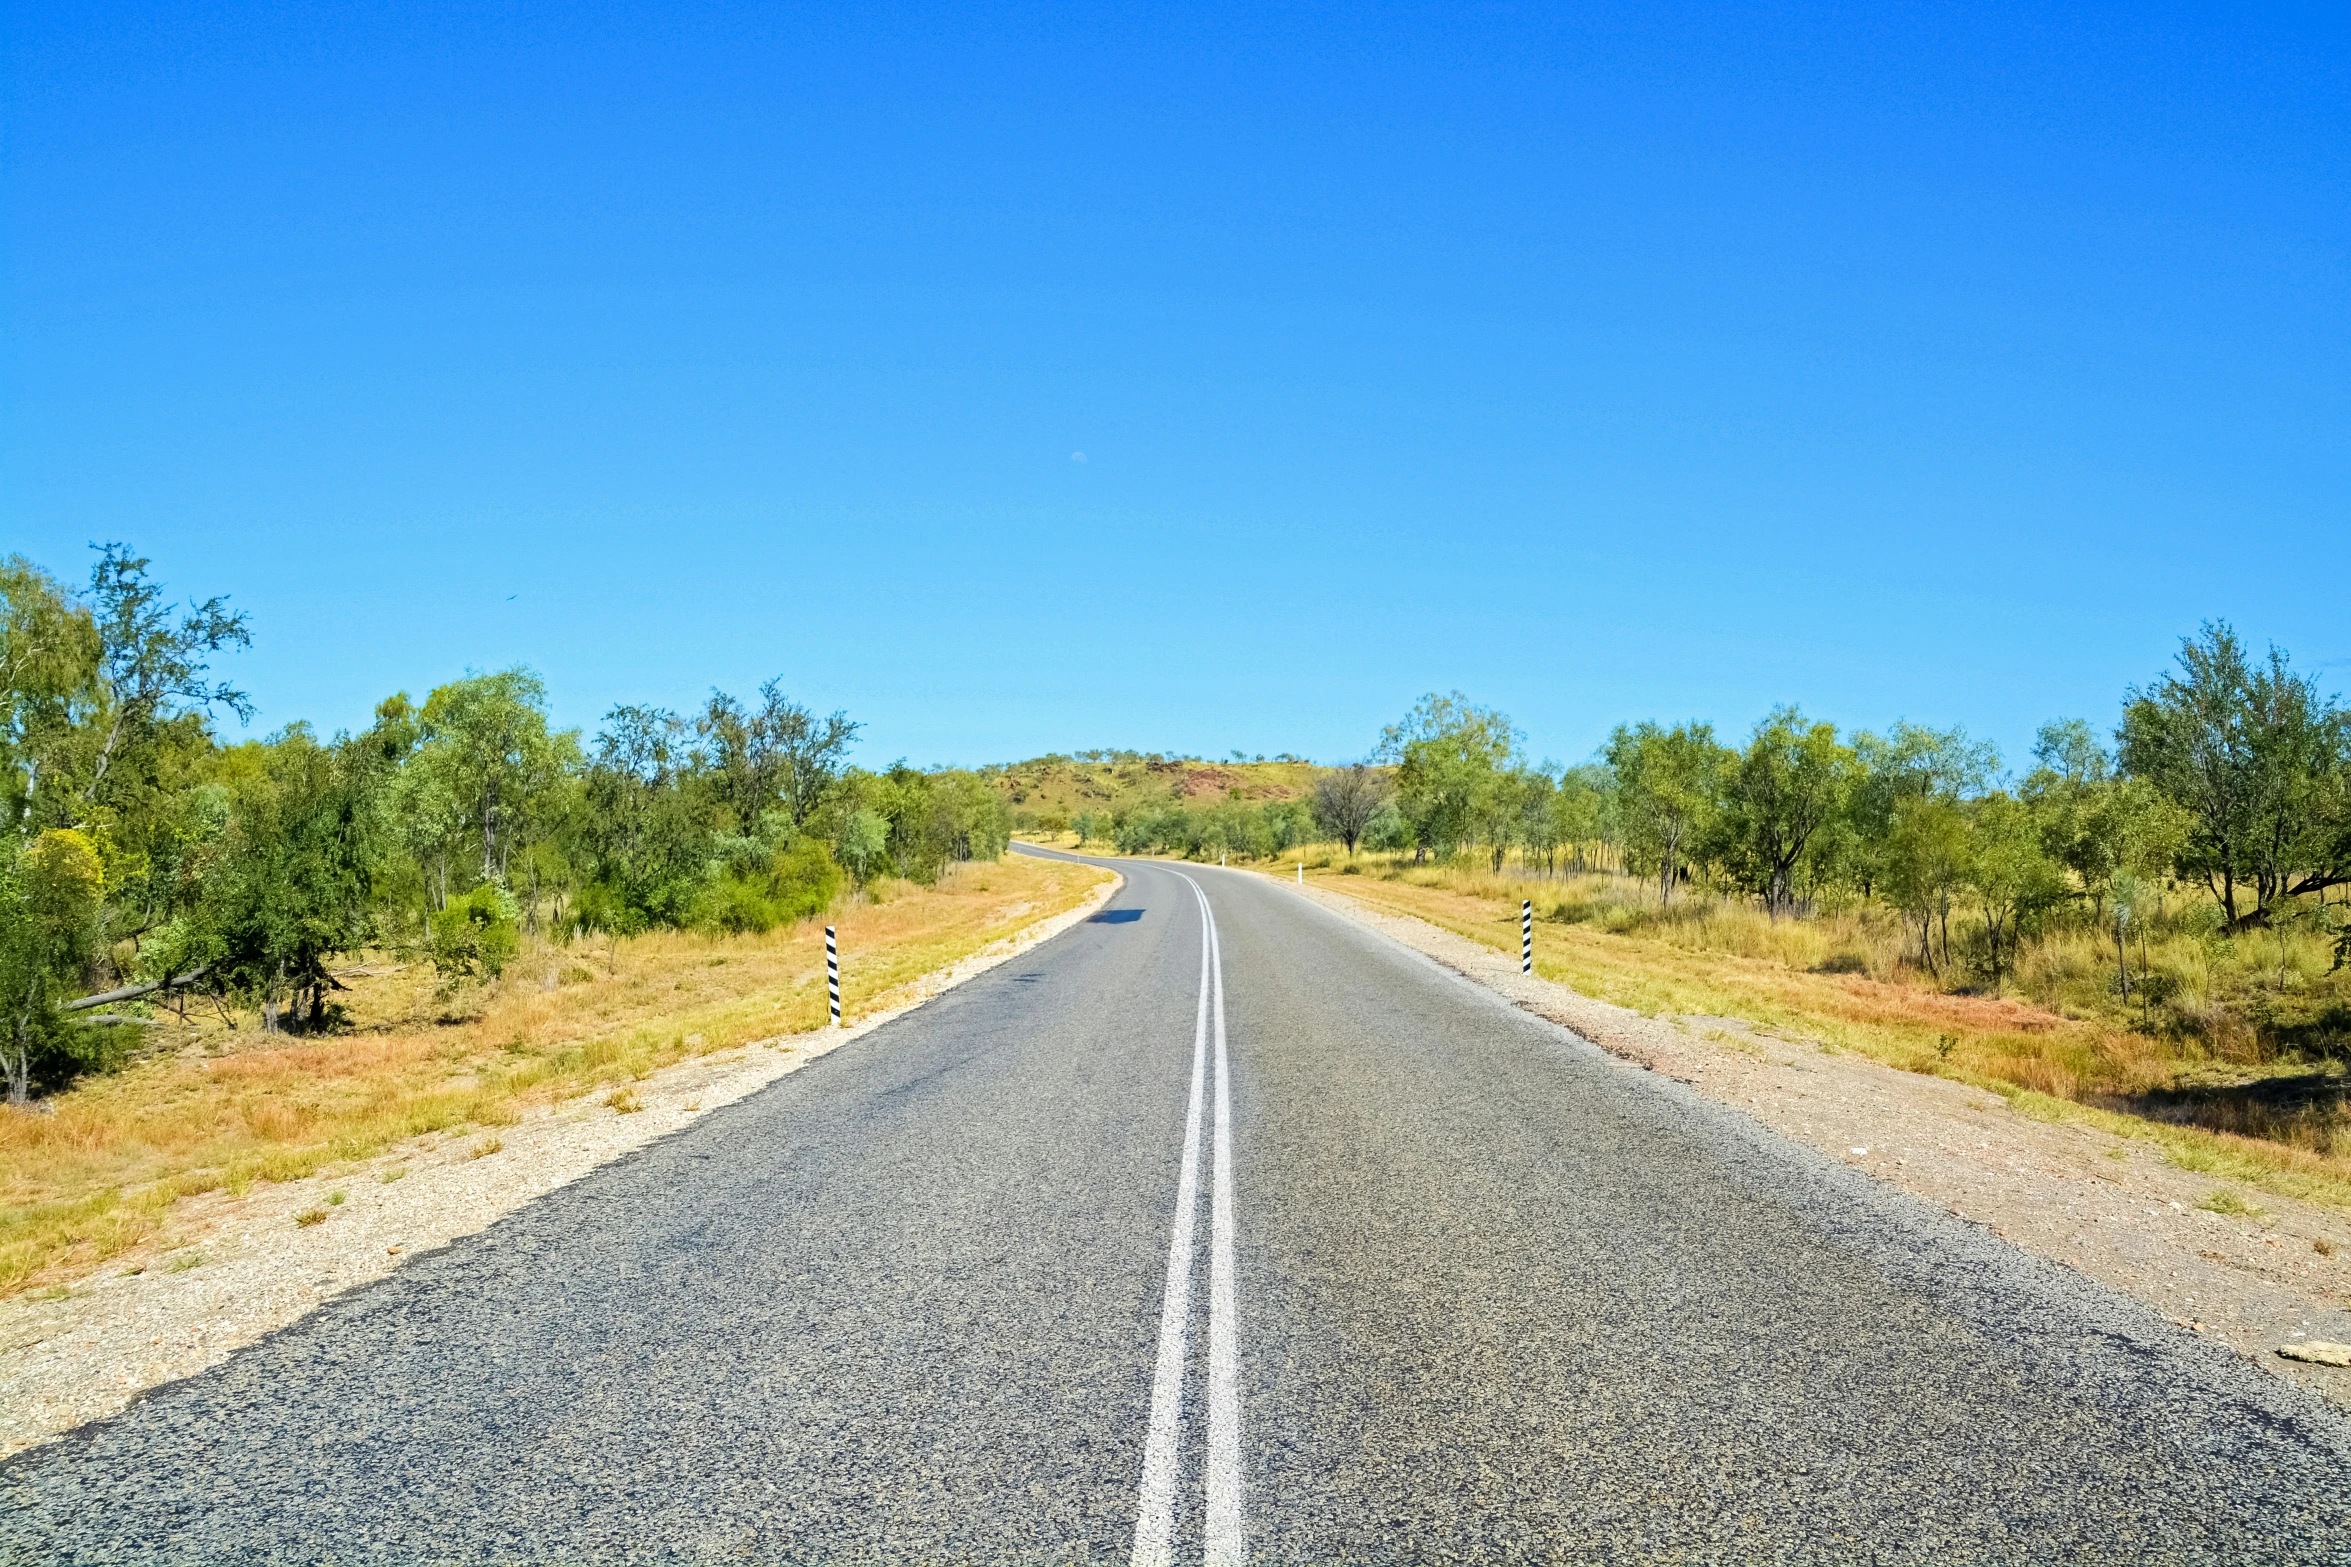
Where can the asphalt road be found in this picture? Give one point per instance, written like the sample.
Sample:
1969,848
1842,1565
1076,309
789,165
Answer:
1289,1246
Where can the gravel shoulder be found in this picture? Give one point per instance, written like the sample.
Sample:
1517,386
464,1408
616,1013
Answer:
239,1267
2274,1275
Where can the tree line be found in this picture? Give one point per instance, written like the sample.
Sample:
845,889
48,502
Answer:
147,856
2229,774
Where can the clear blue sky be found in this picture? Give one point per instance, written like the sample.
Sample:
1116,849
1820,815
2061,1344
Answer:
1902,362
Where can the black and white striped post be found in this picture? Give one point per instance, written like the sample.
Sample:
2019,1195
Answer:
832,972
1526,936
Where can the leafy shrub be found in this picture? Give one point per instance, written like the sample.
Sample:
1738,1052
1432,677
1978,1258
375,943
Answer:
1389,832
477,934
865,844
753,895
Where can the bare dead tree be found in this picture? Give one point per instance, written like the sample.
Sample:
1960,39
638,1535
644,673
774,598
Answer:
1346,799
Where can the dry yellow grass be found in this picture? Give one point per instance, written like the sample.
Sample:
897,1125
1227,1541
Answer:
1723,961
100,1173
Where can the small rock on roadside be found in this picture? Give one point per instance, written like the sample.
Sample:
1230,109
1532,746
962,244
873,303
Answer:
2318,1352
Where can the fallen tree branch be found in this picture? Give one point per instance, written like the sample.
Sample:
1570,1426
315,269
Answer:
132,992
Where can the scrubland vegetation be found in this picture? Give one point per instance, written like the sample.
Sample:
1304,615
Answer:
222,962
153,864
410,1058
2149,920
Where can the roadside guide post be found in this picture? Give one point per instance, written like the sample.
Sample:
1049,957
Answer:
1301,873
1526,933
832,972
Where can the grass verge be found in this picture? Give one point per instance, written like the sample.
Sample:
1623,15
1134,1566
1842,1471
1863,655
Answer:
100,1172
2044,1065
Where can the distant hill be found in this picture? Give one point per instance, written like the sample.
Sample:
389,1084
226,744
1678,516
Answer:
1117,782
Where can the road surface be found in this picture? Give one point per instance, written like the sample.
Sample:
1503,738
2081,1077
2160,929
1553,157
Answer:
1215,1229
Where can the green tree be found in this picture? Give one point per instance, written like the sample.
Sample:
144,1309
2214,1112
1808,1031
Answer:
1669,785
2010,875
865,844
478,933
49,662
108,702
2098,825
813,752
2256,754
1497,811
486,755
1447,752
645,824
152,667
1538,817
1585,808
1793,779
1909,762
1388,832
1925,864
51,892
294,874
2069,751
768,878
774,754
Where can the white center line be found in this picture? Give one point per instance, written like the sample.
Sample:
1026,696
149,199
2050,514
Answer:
1224,1542
1163,1442
1162,1446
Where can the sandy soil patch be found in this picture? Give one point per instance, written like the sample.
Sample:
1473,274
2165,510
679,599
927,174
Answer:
2254,1270
240,1267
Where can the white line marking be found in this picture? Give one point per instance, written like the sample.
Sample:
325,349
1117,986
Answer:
1225,1544
1163,1445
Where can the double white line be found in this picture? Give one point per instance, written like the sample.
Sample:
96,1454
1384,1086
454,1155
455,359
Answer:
1163,1447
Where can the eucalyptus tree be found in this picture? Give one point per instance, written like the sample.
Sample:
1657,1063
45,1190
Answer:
1538,817
776,753
1448,753
152,667
1498,810
51,893
109,701
1585,809
49,663
2101,826
2069,750
1669,785
2011,878
1792,780
296,874
810,751
485,747
2257,755
1924,866
1910,762
647,822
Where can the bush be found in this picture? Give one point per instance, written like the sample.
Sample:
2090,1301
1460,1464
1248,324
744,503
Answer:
779,887
865,844
1388,832
477,934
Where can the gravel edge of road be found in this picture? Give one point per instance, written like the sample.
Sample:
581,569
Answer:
238,1268
2091,1211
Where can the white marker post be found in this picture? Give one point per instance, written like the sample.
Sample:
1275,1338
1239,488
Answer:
832,972
1526,936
